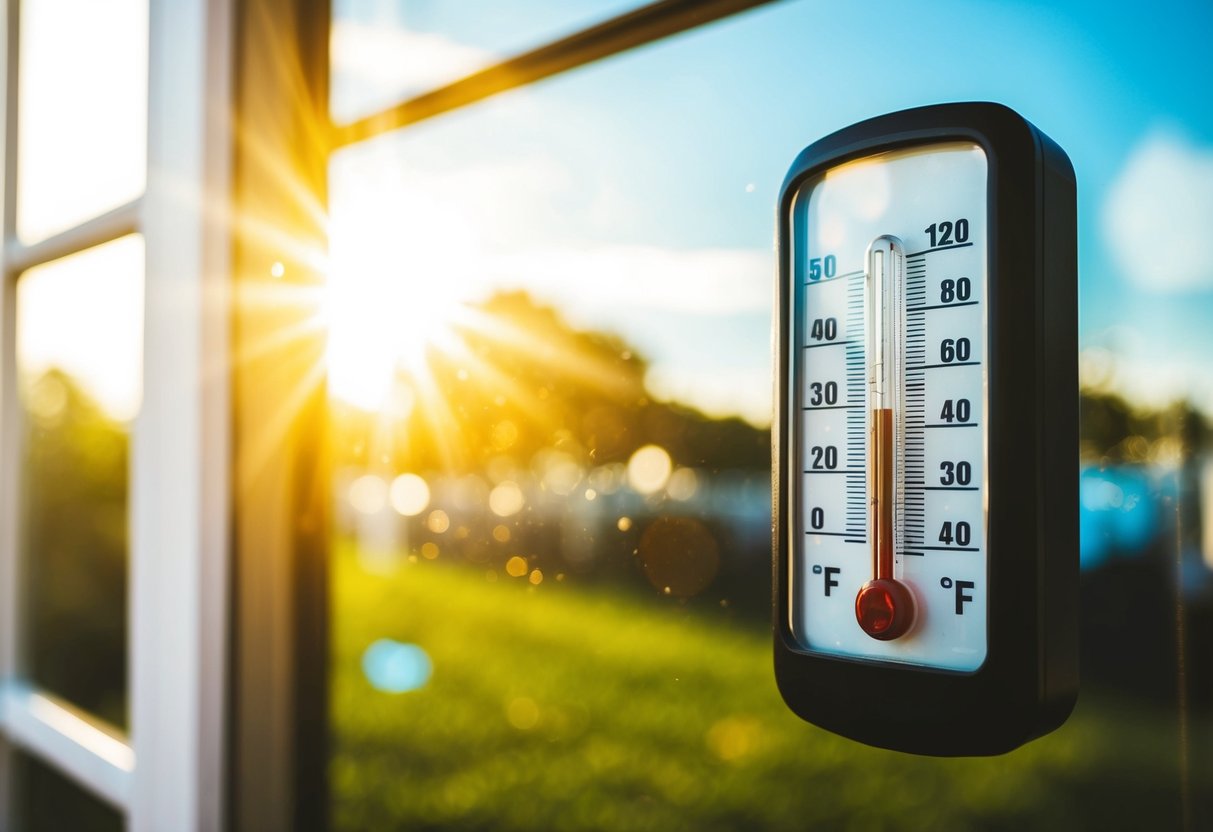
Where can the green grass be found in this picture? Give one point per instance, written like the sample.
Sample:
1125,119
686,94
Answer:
555,707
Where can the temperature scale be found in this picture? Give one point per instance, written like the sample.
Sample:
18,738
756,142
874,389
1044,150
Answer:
926,458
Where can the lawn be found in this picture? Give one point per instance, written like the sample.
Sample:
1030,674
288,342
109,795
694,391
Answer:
560,707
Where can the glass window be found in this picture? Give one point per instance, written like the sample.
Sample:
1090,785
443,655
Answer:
46,801
82,111
383,52
551,399
79,354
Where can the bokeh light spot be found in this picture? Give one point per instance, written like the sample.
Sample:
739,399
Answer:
607,479
649,469
48,399
505,434
396,667
438,521
409,495
506,499
516,567
734,737
368,494
679,556
683,484
562,474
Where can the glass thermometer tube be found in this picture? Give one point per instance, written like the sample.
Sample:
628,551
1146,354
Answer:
884,606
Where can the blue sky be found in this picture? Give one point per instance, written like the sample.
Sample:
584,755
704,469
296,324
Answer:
681,146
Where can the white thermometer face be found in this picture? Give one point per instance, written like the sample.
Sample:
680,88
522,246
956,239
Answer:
888,534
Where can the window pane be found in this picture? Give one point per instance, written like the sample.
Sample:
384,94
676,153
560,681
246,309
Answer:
549,367
83,111
79,351
46,801
383,52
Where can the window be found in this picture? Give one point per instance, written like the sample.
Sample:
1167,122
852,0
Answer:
384,410
74,391
382,53
79,356
107,442
549,386
89,71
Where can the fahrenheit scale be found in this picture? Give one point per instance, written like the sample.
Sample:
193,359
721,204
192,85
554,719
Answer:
926,440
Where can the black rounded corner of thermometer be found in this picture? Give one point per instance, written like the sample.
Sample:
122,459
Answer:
1027,684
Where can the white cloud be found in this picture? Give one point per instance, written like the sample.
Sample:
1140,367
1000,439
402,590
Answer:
700,281
1159,213
374,66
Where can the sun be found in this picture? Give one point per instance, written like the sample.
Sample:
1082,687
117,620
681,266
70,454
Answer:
400,267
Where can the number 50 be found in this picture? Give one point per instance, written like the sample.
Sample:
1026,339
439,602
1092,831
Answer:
818,265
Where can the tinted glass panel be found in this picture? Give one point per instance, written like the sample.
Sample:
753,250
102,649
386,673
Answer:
383,52
550,394
79,342
83,111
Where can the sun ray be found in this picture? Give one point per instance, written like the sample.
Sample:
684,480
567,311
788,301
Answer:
265,441
594,371
436,412
492,377
282,338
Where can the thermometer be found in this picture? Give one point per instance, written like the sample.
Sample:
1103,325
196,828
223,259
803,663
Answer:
925,473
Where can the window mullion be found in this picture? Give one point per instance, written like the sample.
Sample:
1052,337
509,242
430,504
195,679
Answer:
627,31
9,409
101,229
59,735
179,455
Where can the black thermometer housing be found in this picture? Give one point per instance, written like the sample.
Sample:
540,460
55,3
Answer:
975,649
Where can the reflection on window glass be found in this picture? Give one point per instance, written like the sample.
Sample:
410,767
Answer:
46,801
83,111
550,390
383,52
79,352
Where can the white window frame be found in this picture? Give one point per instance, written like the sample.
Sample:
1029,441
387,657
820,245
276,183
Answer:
168,772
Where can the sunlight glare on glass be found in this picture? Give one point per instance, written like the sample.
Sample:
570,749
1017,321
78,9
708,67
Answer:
83,315
398,256
82,111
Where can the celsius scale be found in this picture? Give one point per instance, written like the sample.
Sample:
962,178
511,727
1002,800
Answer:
926,462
